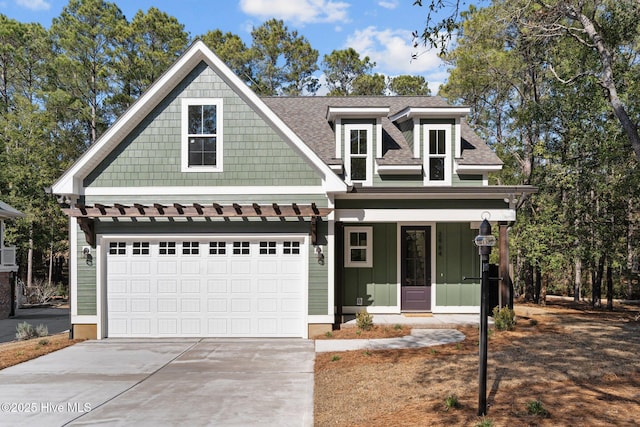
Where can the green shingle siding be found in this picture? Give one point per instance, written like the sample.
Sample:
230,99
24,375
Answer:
254,154
318,300
86,289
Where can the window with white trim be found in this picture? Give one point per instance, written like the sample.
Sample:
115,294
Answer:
167,248
117,248
202,135
267,248
241,248
140,248
217,248
359,153
358,249
437,154
291,248
190,248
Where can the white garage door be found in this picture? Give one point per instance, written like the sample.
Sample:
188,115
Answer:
213,287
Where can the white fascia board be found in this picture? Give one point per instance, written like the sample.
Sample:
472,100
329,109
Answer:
477,168
356,112
427,112
425,215
71,179
399,169
186,191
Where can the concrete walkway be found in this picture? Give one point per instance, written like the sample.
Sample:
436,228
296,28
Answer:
427,331
418,338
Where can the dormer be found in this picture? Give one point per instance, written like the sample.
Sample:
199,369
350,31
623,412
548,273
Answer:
358,138
436,139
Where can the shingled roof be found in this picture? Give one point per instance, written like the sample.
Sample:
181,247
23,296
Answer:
307,117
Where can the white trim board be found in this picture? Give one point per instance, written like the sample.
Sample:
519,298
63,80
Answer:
183,191
423,215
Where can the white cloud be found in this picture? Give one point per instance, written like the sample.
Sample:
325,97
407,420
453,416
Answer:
34,4
392,52
298,11
388,4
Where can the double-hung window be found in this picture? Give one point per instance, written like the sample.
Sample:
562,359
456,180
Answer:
437,155
358,246
359,156
201,135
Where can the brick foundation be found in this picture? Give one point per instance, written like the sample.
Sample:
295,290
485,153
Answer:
5,294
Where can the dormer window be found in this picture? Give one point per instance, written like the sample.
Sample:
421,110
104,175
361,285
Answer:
358,152
437,154
201,135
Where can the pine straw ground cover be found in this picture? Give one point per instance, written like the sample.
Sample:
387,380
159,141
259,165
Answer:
14,352
582,365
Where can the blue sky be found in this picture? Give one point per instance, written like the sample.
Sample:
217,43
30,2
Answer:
380,29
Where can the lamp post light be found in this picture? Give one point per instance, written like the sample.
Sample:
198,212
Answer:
485,240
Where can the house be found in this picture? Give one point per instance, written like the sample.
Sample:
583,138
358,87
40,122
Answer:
206,210
8,265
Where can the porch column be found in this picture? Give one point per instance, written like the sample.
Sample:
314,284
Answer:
505,294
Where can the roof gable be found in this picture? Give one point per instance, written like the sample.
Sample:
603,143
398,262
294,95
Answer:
71,181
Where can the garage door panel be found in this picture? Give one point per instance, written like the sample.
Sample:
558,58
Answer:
209,289
166,266
166,305
191,286
240,286
140,326
218,286
141,267
167,286
167,326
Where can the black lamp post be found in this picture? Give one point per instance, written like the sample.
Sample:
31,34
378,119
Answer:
485,241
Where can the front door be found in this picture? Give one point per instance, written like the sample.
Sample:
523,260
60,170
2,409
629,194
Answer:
416,268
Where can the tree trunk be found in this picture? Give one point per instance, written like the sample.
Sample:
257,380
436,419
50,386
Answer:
577,283
542,297
609,286
30,258
528,282
607,80
538,285
596,287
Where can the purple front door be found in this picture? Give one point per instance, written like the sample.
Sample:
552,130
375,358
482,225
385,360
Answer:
416,268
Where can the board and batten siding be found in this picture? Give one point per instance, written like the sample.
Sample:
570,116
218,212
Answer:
377,285
254,153
456,257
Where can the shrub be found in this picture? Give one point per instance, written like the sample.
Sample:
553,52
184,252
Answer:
364,320
43,342
335,358
24,331
451,402
397,326
535,407
504,319
485,423
42,330
328,334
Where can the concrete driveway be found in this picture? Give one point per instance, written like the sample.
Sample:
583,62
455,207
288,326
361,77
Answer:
194,382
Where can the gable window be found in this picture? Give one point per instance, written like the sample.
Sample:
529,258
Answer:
359,156
358,249
437,155
201,135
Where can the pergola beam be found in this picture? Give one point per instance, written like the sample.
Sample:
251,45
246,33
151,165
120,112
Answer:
196,210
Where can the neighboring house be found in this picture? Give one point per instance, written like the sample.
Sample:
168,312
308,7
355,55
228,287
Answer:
8,264
206,210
